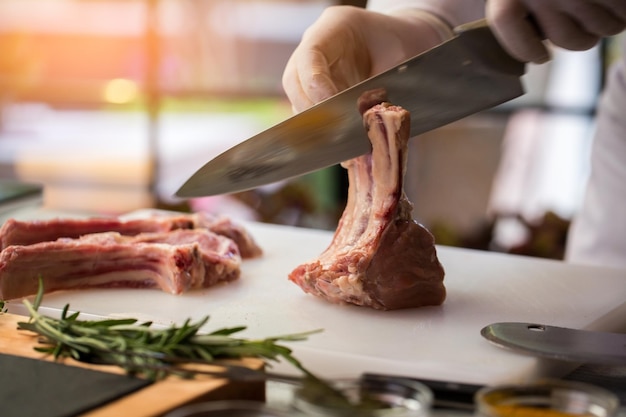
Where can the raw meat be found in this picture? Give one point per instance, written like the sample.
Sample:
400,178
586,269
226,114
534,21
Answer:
225,226
379,256
174,261
15,232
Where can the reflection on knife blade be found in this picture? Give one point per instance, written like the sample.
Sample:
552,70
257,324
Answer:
244,173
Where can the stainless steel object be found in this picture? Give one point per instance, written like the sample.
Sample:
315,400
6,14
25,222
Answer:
581,346
469,73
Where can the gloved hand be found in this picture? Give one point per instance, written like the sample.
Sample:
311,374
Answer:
570,24
348,44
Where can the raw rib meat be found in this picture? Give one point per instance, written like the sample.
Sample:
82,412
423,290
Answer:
175,262
379,256
224,226
15,232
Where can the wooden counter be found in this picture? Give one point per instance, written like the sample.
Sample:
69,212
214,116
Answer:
154,400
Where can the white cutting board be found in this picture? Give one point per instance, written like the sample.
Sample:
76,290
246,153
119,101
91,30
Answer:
441,343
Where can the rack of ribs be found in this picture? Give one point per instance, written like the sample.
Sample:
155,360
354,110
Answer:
173,252
174,261
379,257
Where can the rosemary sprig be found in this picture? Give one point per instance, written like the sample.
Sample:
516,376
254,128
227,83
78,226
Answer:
145,351
133,345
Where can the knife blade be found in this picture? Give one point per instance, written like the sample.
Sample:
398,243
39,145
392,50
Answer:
572,345
469,73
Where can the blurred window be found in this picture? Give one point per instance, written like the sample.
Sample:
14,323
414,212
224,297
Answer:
91,52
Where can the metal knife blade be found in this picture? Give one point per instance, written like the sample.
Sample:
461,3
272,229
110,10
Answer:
581,346
468,73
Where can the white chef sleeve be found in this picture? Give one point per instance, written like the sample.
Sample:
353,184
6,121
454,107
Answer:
598,232
453,12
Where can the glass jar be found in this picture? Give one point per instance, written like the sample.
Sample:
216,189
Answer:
370,396
229,409
549,398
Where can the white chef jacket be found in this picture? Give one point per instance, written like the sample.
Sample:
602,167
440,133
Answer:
598,232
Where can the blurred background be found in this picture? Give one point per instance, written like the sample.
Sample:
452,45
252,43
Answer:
111,104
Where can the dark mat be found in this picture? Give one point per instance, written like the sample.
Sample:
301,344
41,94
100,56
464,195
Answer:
33,388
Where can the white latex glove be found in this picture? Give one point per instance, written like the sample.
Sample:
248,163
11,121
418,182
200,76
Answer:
570,24
349,44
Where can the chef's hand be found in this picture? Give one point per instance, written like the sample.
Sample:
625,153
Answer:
349,44
570,24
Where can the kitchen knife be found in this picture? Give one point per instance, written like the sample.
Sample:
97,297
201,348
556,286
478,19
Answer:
464,75
581,346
